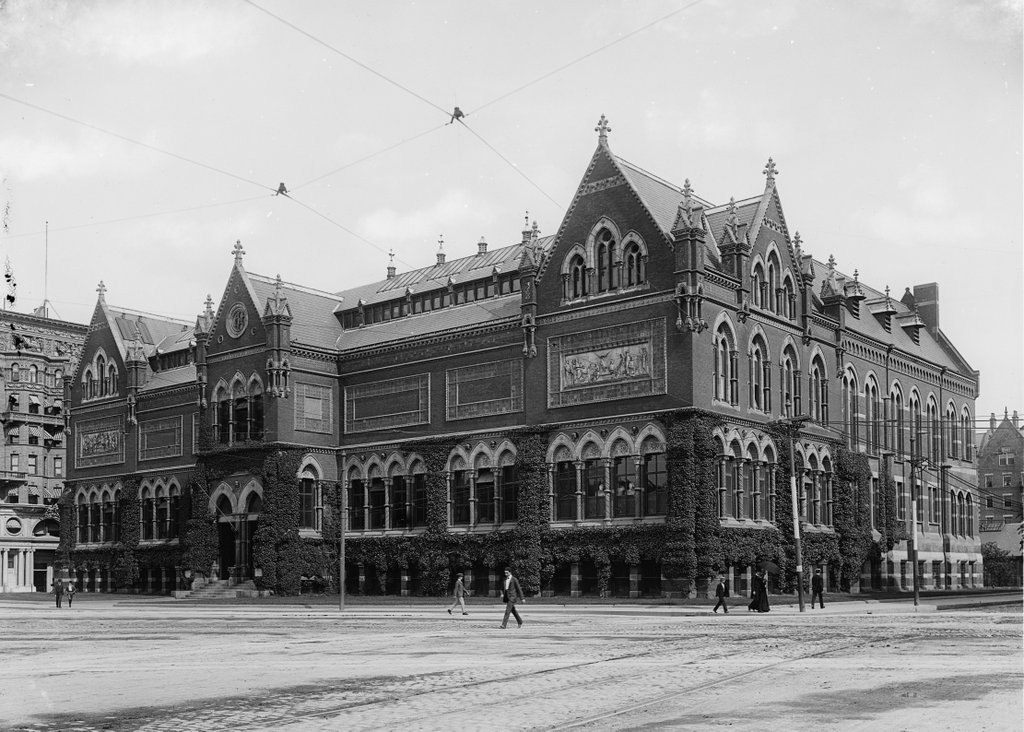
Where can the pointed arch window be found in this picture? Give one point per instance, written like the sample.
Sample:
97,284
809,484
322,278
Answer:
222,417
851,419
788,299
577,277
774,293
758,286
818,391
726,377
872,416
607,255
239,413
934,431
256,423
632,259
966,428
789,383
950,429
916,431
898,422
760,377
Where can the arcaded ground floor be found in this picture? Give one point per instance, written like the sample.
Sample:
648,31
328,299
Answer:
127,663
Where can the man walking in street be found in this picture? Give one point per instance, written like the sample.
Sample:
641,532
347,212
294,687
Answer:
460,593
58,590
817,589
71,590
720,594
510,594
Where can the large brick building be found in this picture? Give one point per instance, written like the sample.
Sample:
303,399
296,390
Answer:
605,407
36,351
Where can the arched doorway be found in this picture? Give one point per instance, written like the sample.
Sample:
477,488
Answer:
225,537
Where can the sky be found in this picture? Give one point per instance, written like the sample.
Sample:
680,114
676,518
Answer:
151,135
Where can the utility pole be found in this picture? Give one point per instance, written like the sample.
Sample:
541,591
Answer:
792,426
341,548
915,461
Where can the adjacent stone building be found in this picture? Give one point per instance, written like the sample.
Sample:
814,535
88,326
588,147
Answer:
1001,484
35,353
610,409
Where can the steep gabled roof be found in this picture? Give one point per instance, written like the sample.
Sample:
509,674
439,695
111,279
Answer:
147,329
313,323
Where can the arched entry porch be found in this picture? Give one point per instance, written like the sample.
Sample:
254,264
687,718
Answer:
235,532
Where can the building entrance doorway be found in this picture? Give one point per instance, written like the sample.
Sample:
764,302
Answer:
226,546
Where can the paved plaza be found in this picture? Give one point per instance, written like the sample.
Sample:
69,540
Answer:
120,663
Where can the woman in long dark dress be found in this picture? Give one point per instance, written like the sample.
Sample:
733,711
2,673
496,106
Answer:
762,593
756,589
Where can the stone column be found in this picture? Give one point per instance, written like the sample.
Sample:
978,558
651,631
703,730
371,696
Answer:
634,581
579,490
3,569
30,570
387,503
472,498
574,580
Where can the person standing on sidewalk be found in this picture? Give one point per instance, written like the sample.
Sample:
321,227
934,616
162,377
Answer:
58,590
460,593
70,589
817,589
720,594
510,594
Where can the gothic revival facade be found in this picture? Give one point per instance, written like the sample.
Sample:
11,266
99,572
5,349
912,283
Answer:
610,407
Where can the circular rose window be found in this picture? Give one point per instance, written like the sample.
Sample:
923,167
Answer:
238,319
13,526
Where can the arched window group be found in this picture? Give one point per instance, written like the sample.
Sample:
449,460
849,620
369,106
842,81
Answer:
99,378
161,516
961,513
606,265
99,516
238,411
746,481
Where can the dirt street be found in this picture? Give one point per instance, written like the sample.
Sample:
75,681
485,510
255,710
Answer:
121,664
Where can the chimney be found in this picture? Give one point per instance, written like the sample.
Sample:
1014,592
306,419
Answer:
927,297
1015,420
440,250
992,423
481,247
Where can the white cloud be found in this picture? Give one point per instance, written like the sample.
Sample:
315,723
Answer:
148,31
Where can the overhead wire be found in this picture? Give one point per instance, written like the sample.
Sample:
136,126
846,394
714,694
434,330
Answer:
133,141
510,164
346,56
584,57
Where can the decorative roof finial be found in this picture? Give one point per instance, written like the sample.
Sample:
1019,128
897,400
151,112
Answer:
391,256
209,306
733,218
796,245
770,170
831,263
887,292
526,220
602,130
856,274
440,243
535,230
238,251
102,289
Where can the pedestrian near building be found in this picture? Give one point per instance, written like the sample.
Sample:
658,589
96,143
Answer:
58,590
460,593
818,589
759,593
720,593
70,590
510,594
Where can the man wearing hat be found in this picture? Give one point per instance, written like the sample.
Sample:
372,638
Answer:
817,589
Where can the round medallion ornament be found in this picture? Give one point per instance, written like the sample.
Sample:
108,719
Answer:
238,319
13,526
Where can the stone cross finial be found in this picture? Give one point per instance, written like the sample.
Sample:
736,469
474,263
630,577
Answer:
209,306
238,251
102,289
856,274
391,256
831,263
887,292
687,190
796,245
602,130
770,170
440,243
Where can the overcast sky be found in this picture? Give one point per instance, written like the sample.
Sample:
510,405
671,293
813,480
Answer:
896,128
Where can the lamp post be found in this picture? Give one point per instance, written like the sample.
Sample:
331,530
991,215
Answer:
793,425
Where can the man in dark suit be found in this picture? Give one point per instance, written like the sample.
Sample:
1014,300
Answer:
720,594
817,589
511,593
58,590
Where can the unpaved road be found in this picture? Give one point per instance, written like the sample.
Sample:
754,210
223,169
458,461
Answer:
138,665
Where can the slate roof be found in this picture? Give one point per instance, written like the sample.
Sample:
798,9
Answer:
435,277
313,322
170,377
148,329
493,309
871,326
